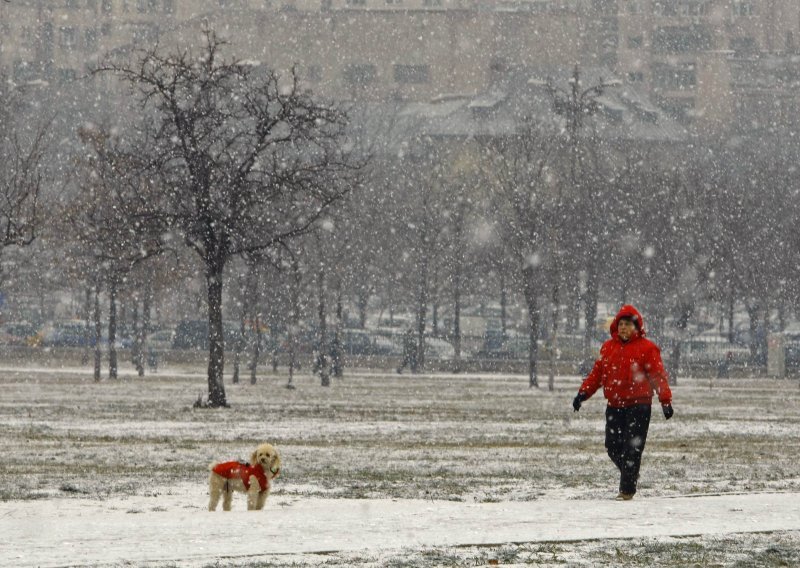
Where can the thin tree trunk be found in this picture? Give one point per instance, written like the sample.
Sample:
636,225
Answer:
682,323
112,328
590,309
533,328
246,306
730,315
216,339
503,306
457,315
295,321
322,358
363,304
337,356
256,350
144,329
551,379
422,307
98,335
237,349
88,319
136,348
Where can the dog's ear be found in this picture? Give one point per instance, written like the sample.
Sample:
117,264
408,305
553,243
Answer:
275,468
254,458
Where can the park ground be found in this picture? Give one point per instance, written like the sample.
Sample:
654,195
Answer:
388,470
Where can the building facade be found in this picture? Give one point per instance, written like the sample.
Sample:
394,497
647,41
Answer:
701,60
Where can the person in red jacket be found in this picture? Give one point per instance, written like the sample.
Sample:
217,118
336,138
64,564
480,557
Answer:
630,370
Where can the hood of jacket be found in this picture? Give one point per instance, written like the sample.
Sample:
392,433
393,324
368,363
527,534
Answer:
630,312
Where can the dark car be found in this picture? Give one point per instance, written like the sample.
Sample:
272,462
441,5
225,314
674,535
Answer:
193,334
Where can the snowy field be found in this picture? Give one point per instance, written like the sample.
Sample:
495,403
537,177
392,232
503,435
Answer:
387,470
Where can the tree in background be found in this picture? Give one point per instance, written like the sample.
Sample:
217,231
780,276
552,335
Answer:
247,160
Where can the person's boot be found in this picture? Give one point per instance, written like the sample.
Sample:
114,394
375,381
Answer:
624,496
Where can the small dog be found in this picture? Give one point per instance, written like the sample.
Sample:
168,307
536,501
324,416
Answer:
254,480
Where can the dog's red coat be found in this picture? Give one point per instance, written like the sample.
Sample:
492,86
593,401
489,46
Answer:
243,471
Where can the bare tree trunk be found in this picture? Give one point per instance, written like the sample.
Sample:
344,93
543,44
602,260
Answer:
684,315
503,306
322,357
246,306
551,379
295,321
144,330
457,317
422,307
731,302
112,328
337,356
136,348
256,350
87,314
216,339
239,347
98,335
590,308
533,328
363,304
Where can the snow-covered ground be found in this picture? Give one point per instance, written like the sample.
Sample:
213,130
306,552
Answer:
382,470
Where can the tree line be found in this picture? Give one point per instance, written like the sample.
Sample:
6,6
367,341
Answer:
294,214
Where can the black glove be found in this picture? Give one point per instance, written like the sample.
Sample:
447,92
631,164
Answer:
576,403
668,412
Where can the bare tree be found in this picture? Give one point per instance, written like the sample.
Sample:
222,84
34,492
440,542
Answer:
247,160
111,218
22,174
525,202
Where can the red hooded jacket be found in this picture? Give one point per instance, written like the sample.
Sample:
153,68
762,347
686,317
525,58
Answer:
243,471
629,371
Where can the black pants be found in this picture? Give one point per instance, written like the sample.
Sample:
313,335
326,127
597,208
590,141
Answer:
626,433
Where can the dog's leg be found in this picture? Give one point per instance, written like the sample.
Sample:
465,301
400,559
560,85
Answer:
253,493
227,497
214,491
262,498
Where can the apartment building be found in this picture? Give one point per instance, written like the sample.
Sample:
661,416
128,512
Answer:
696,58
689,53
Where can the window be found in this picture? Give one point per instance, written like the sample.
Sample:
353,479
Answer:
741,8
634,7
681,110
743,46
90,40
147,6
665,8
314,74
672,78
682,39
67,75
635,42
412,73
67,37
360,73
693,8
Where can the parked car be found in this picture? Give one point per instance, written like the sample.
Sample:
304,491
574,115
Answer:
193,334
20,333
71,333
161,340
711,348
